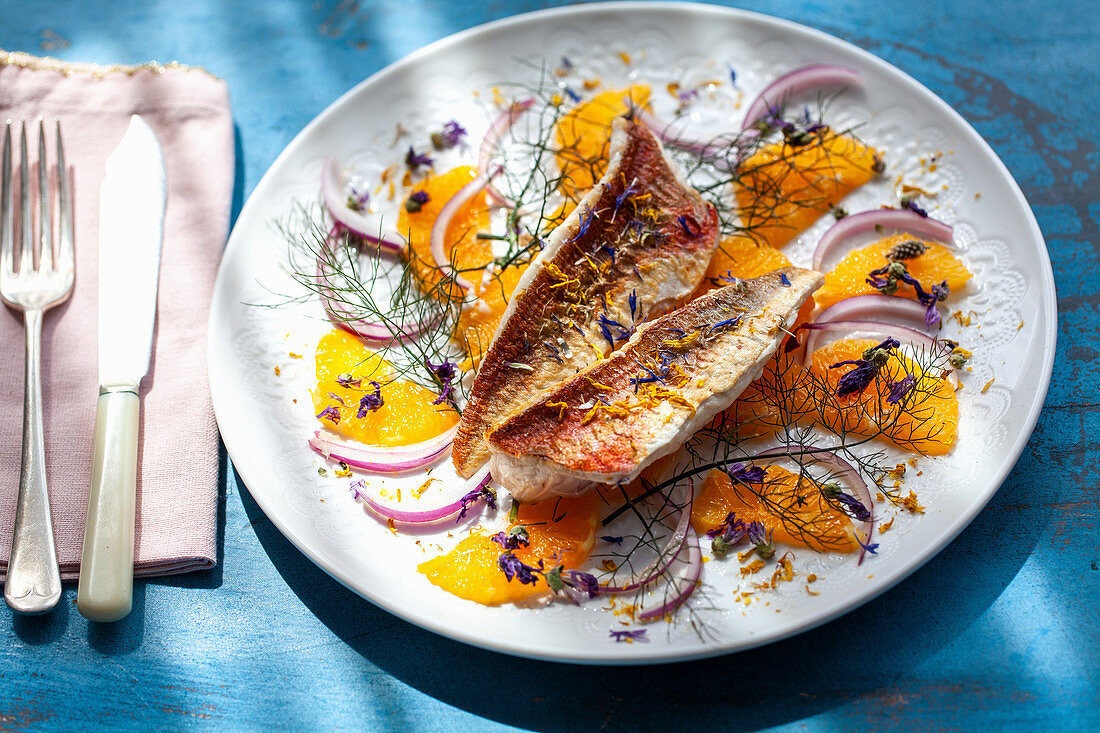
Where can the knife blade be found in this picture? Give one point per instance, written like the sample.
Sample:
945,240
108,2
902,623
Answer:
132,202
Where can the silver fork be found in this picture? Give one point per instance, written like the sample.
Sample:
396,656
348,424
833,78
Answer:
34,583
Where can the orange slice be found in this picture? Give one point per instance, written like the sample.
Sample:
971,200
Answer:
561,532
468,253
925,422
583,137
783,189
849,277
741,257
407,414
792,510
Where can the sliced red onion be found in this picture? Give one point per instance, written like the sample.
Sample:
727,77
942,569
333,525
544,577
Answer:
668,553
897,219
491,142
874,307
334,192
902,333
341,315
802,78
687,580
849,475
384,459
438,238
428,516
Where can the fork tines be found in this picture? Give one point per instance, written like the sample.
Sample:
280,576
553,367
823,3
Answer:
43,244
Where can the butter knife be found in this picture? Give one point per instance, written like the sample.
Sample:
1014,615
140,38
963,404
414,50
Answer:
131,228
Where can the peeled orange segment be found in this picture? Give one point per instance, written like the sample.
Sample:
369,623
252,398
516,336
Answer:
466,252
849,277
792,510
783,189
561,532
470,571
740,257
926,421
563,528
583,138
407,415
339,352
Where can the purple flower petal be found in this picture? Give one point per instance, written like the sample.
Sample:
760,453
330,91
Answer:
629,635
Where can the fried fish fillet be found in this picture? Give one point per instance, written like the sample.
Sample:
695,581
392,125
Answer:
674,375
637,244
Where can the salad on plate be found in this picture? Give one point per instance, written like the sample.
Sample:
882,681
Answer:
578,354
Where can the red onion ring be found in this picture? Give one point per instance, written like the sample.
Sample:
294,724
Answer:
668,553
867,308
333,181
687,582
438,237
874,306
384,459
369,330
429,516
491,142
899,219
910,335
851,477
804,77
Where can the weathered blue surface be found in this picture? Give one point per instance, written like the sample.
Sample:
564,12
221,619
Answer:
1000,630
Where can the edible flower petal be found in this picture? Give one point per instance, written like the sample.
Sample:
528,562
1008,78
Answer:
910,204
445,374
449,136
371,401
629,634
415,160
416,201
481,492
899,389
746,474
516,569
330,413
866,369
584,582
516,538
851,505
760,537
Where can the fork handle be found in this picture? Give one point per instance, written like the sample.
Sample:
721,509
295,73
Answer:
34,582
105,588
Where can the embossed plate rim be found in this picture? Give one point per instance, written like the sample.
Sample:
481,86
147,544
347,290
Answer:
253,464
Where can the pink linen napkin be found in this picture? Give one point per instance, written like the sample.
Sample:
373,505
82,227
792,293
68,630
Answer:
177,450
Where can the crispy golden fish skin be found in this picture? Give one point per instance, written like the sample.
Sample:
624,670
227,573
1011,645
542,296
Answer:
637,244
674,375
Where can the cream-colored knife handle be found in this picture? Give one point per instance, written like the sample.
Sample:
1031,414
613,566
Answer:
105,589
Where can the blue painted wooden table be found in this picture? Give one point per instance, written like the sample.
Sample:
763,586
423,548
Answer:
999,630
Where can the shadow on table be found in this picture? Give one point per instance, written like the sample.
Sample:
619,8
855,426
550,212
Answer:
211,578
119,637
863,655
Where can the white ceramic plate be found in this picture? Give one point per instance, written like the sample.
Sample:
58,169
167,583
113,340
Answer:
265,418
